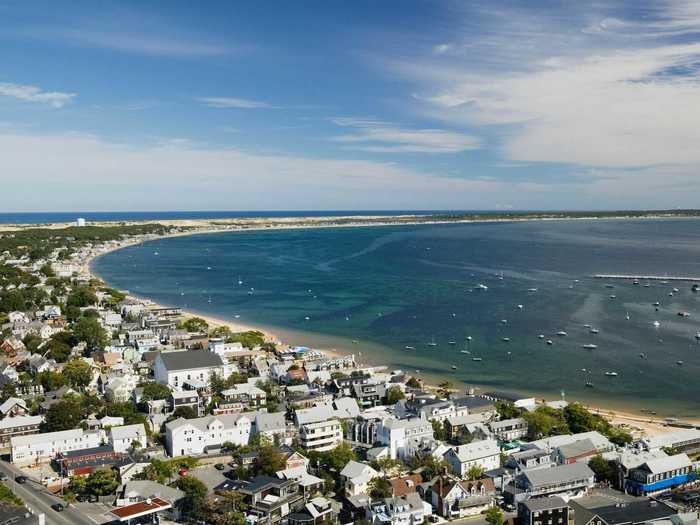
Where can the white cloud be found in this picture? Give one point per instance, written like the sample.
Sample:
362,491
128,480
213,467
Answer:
68,172
380,137
34,94
231,102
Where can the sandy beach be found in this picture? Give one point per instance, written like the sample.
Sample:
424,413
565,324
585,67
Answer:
638,424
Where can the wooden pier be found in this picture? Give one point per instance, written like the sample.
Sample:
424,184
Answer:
647,277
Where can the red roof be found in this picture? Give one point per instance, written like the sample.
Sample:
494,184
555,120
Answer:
142,508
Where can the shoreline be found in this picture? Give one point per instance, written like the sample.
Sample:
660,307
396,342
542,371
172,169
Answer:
637,423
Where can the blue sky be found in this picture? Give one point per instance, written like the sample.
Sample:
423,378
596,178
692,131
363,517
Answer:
349,105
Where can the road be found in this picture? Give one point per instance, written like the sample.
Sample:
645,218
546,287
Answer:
38,499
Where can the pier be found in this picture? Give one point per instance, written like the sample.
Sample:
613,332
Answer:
647,277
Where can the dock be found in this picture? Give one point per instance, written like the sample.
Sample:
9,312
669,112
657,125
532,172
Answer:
647,277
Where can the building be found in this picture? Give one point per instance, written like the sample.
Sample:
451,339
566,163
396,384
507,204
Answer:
453,498
42,448
355,478
321,436
686,440
563,480
120,389
206,434
529,459
660,475
400,486
543,511
126,437
270,500
484,454
18,426
272,425
402,510
177,368
509,429
397,434
12,407
318,511
185,398
248,395
83,462
511,397
634,511
582,450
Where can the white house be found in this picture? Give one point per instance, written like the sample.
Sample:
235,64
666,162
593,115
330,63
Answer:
42,448
122,438
356,476
408,509
484,454
119,389
396,434
198,436
177,368
321,436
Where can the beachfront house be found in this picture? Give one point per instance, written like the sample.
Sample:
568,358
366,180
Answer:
660,475
176,369
206,434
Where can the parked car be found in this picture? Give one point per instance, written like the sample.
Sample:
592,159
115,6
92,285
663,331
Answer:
3,476
58,507
219,466
21,479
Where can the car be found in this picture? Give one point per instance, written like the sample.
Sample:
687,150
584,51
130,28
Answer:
58,507
219,466
3,476
21,479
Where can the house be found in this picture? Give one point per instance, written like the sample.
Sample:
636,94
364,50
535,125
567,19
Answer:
566,481
296,470
628,459
321,436
484,454
39,364
18,426
206,434
660,475
529,459
475,405
9,372
12,407
509,429
120,389
686,440
511,397
124,438
269,500
600,442
272,425
250,396
137,491
628,511
401,510
177,368
461,425
454,498
355,478
12,346
397,434
402,485
83,462
185,398
42,448
341,408
582,450
318,511
543,511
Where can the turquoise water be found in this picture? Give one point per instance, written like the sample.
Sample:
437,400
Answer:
392,287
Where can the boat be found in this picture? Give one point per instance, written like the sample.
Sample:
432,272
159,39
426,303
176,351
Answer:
590,346
586,326
307,318
504,321
562,333
670,294
505,339
237,316
657,303
452,343
594,331
477,359
643,355
610,286
156,253
355,341
683,314
240,281
465,352
635,281
209,299
676,290
611,374
409,347
541,336
695,288
656,324
589,384
613,296
454,367
520,307
469,338
697,336
549,342
482,287
208,267
679,363
627,316
432,342
532,289
454,314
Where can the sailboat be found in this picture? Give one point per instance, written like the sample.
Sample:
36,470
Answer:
432,342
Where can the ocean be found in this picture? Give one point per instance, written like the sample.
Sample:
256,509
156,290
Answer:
389,293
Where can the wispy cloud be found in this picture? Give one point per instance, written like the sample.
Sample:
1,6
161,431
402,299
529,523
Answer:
55,99
380,137
232,102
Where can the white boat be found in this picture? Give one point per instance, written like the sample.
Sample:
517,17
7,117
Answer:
208,267
307,318
240,281
520,307
611,374
586,326
613,296
541,336
482,287
504,321
465,352
697,336
156,253
657,303
594,330
679,363
505,339
590,346
407,347
477,359
452,343
676,290
562,333
549,342
432,342
627,316
656,324
237,316
454,367
532,289
469,338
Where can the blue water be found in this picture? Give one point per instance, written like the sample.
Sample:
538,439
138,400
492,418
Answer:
392,287
60,217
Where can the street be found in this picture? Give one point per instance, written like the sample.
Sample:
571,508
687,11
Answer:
38,499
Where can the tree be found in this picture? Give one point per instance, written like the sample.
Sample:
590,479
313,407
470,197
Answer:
8,391
50,380
475,472
604,470
251,339
77,373
154,391
125,410
269,461
494,516
88,329
81,297
413,382
195,324
507,409
58,350
158,470
340,456
102,482
439,431
444,389
394,394
184,412
379,488
195,494
221,331
64,415
545,421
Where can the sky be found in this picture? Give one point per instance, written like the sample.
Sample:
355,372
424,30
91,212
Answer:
362,105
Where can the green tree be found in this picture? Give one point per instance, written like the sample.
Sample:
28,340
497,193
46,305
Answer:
195,494
507,410
494,516
444,389
545,421
8,391
77,373
102,482
439,431
184,412
50,380
269,461
475,472
251,339
604,470
88,329
340,456
413,382
195,324
64,415
394,394
379,488
57,350
81,297
153,391
221,331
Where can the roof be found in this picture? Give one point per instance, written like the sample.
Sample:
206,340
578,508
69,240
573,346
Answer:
634,512
671,439
20,421
128,431
560,474
189,360
477,449
11,402
75,433
577,448
269,422
537,504
660,465
69,454
507,423
355,469
634,458
342,408
600,442
151,489
405,484
142,508
202,423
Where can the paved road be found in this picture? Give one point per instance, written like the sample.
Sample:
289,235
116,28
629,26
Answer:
39,500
